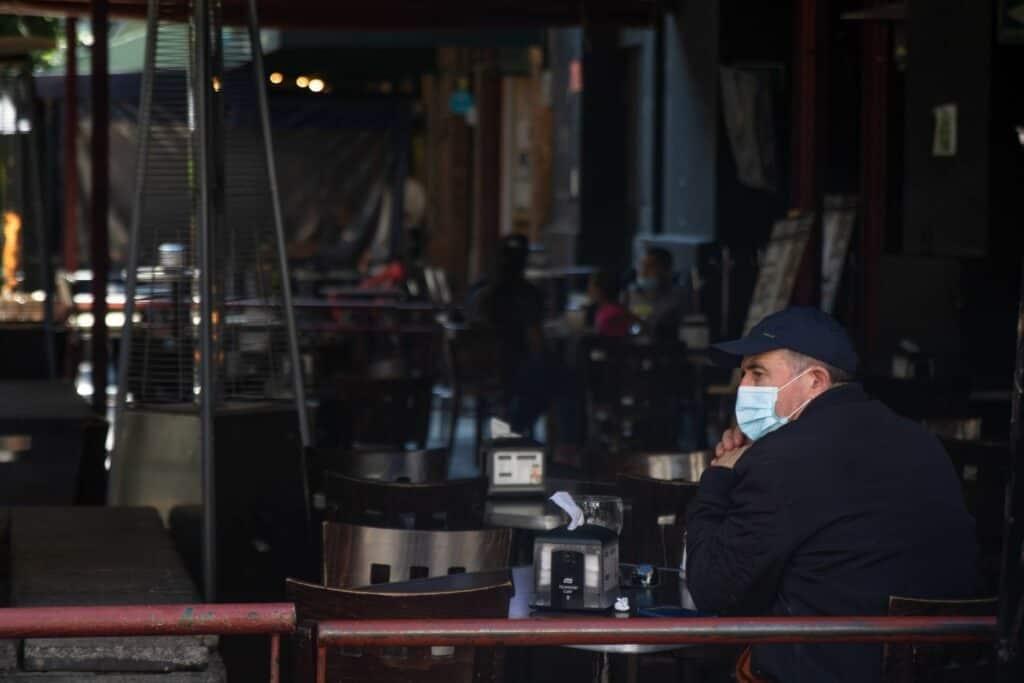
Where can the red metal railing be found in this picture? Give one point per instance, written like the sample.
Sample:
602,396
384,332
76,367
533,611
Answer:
661,631
271,619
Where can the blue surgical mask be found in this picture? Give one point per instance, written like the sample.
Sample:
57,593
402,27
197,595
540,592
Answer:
755,409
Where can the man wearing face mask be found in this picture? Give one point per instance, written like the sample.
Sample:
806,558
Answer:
822,502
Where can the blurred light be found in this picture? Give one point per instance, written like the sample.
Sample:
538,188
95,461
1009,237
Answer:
1020,135
302,81
86,39
316,85
115,320
277,78
216,84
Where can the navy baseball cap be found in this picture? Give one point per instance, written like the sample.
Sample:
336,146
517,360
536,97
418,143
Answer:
803,329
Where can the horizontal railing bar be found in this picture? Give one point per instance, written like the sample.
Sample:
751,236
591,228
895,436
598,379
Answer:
651,631
147,620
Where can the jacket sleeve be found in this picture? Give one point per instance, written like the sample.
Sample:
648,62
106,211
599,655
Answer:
736,541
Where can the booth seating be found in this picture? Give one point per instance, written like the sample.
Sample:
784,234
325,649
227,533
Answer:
361,556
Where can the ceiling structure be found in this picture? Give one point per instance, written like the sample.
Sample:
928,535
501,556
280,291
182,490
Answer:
385,14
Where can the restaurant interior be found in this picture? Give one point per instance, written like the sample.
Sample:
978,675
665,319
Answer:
251,350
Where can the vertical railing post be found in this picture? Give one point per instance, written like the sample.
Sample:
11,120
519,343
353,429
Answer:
275,658
321,664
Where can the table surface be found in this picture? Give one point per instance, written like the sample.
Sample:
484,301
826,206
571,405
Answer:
666,593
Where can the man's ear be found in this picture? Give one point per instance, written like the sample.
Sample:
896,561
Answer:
822,380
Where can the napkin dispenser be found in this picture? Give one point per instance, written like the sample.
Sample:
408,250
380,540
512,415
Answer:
576,570
514,465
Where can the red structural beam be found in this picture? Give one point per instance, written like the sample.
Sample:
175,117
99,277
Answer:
661,631
148,620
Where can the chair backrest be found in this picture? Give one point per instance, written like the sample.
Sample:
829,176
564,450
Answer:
413,467
939,662
379,411
451,504
653,529
355,555
634,392
487,597
667,466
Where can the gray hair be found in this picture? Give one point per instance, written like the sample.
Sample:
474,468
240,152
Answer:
800,362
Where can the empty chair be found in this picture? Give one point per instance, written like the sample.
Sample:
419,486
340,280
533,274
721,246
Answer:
653,529
667,466
939,662
356,555
375,412
451,504
479,596
635,392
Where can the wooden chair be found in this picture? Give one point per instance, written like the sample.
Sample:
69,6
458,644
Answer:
635,392
451,504
487,596
653,529
375,412
939,662
356,555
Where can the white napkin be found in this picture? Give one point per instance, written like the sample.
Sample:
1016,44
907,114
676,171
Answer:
501,429
563,500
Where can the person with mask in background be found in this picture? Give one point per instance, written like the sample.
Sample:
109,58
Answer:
821,502
656,300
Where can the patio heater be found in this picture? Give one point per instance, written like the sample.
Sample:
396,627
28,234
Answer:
27,332
211,419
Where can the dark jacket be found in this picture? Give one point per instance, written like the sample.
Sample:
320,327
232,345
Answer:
830,515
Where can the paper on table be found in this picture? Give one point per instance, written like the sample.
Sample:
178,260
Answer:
563,500
501,430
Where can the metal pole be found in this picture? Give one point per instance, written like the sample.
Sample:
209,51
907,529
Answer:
1011,590
275,200
99,238
669,631
131,275
35,171
275,658
658,170
71,146
202,144
147,620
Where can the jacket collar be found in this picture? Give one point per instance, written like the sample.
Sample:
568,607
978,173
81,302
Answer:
850,392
